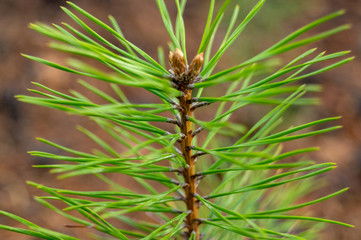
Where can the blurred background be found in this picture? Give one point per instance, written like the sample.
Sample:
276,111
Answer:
139,19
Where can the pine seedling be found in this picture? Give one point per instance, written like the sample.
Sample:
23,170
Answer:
208,178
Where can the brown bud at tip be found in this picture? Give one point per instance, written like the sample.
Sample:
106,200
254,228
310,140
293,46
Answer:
170,57
196,65
177,61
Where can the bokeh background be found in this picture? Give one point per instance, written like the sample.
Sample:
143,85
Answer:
21,123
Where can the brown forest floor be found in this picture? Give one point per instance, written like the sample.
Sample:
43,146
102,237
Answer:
21,123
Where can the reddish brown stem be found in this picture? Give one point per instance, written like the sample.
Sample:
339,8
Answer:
186,143
183,76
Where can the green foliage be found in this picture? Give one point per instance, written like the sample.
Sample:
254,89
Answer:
246,185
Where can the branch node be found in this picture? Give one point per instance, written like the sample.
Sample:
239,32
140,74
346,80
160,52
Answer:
199,79
175,182
198,154
177,211
176,170
178,151
177,107
207,197
200,104
188,148
181,137
199,220
173,121
192,100
198,174
182,198
198,130
198,180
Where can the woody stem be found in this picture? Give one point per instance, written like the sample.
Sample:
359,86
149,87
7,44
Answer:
188,172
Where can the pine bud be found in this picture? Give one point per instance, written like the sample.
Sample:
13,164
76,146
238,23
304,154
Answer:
177,61
196,65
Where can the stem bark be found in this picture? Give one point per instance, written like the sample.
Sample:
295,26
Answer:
188,172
